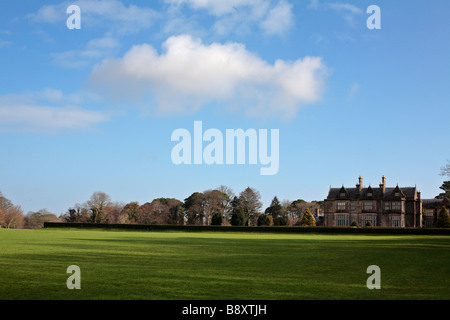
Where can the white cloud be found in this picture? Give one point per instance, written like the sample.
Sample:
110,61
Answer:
35,112
189,74
47,119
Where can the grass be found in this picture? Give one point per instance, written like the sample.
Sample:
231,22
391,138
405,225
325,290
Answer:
134,265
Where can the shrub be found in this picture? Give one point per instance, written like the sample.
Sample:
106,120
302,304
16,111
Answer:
216,219
308,219
281,221
443,220
265,220
270,220
239,218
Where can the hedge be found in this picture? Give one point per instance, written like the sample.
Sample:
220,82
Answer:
273,229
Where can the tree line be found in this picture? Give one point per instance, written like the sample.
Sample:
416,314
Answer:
218,206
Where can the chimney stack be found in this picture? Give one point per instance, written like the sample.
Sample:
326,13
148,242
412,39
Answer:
383,184
359,186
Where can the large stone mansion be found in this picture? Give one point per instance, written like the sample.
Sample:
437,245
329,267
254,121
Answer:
382,207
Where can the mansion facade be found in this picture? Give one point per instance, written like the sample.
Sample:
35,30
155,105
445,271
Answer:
379,207
431,209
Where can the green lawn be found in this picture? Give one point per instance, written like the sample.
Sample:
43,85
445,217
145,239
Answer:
218,265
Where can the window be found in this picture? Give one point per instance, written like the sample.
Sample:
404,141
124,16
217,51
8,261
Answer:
369,194
387,206
370,218
396,221
342,220
428,224
352,206
341,205
429,212
342,194
397,194
396,205
368,205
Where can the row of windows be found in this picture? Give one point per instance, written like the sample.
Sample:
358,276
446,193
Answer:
343,220
370,205
369,194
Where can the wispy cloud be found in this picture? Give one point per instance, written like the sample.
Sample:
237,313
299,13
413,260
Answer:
111,15
354,88
45,111
189,75
348,11
314,4
114,18
279,19
93,51
242,16
5,43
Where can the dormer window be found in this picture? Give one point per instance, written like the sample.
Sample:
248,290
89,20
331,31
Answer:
369,194
397,194
342,194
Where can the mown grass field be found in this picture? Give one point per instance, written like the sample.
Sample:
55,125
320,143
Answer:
220,265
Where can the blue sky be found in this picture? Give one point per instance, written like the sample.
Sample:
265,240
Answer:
94,109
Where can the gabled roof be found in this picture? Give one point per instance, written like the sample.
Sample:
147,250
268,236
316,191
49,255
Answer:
352,193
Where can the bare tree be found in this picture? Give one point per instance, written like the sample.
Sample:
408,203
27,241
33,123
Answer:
131,210
14,218
34,220
228,210
214,203
2,217
79,213
112,213
11,216
445,170
98,201
156,212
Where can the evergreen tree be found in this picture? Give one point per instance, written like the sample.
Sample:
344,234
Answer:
216,219
278,212
446,187
308,219
239,218
443,220
263,220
